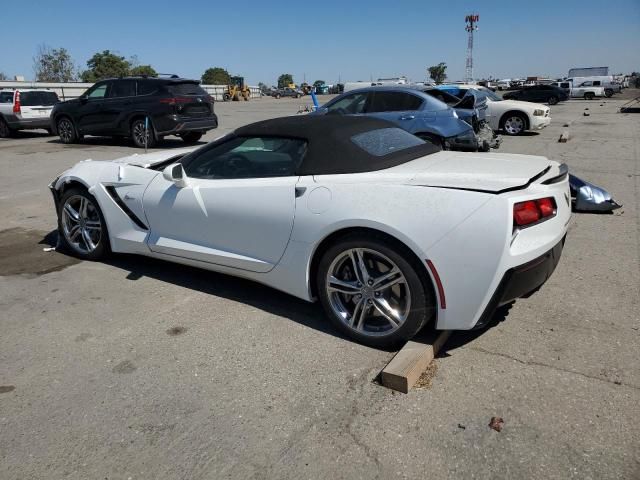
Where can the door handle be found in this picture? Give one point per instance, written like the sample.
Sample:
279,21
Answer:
408,117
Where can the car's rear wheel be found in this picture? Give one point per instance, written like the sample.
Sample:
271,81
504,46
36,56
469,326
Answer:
140,131
5,131
371,290
553,100
514,124
67,130
608,93
81,225
191,137
589,96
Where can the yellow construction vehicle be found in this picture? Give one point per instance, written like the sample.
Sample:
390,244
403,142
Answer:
236,89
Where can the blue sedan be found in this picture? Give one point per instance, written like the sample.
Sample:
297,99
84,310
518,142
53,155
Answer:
412,110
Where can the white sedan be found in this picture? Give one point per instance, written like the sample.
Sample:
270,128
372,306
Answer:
513,117
388,232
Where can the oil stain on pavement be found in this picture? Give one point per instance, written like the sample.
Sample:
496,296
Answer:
21,253
7,388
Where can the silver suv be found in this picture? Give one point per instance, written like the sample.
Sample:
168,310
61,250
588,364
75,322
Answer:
25,110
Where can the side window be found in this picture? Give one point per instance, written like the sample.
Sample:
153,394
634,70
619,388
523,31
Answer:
393,102
248,157
6,97
122,88
353,103
98,91
596,83
147,87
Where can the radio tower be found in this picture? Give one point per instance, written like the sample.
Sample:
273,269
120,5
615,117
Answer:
471,21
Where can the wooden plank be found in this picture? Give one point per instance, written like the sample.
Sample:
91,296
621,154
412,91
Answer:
403,371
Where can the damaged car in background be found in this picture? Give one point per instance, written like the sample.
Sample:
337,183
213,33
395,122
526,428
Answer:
418,113
379,226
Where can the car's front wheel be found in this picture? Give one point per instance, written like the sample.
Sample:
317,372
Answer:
191,137
371,290
81,225
67,130
514,124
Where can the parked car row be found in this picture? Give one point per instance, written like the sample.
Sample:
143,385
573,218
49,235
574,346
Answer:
142,109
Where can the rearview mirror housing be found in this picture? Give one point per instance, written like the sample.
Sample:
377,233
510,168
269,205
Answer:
175,173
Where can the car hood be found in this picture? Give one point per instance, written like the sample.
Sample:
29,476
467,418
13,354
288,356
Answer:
147,160
519,104
487,172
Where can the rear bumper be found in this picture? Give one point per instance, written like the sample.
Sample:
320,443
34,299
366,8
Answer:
522,281
175,124
18,123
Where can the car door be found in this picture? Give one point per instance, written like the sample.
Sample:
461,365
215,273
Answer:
117,104
237,209
90,116
401,108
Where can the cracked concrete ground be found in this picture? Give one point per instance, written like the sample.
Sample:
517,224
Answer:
140,369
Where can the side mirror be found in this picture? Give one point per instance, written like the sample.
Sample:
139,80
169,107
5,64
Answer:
175,173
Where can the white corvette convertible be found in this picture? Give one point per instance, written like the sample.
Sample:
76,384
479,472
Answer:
385,230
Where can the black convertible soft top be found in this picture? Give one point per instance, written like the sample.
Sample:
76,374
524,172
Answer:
330,145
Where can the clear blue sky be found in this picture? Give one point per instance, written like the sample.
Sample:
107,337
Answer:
350,40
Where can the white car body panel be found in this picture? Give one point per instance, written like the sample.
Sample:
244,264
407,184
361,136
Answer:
268,229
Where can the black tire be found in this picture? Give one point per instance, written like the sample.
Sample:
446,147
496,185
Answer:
137,133
432,138
608,93
422,306
226,97
5,131
102,246
553,100
191,137
589,96
505,124
67,130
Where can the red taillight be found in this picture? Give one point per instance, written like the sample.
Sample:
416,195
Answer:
532,211
16,103
175,100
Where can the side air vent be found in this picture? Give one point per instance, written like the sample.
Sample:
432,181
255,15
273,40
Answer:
111,190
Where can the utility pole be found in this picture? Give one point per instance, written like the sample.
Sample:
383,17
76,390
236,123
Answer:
471,26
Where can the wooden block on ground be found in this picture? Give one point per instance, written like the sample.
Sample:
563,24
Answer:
403,371
564,137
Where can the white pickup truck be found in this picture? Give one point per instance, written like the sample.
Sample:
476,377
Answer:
588,91
25,110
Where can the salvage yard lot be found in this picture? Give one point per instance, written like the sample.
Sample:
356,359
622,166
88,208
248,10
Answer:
143,369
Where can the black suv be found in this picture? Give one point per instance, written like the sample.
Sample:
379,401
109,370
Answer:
129,107
538,93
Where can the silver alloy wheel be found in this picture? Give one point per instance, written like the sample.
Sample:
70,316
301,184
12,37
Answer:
514,125
65,130
81,224
139,133
368,292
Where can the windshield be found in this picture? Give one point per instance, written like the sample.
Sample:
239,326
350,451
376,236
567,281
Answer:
486,93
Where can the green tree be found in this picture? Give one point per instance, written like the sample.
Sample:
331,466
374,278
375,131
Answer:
105,65
53,65
143,70
438,72
216,76
284,80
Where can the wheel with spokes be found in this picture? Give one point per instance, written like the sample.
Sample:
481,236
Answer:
141,130
514,123
67,131
81,225
371,291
